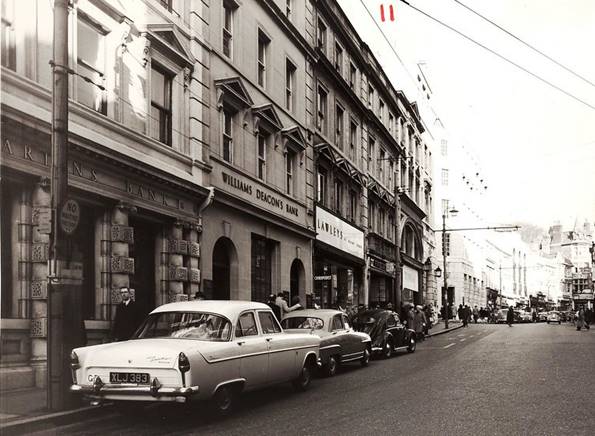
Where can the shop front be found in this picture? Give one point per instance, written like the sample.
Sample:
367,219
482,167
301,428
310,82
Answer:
338,262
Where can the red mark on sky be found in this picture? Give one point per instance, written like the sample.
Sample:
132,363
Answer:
391,13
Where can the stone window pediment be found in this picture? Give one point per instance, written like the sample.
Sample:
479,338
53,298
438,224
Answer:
166,39
293,138
266,119
233,93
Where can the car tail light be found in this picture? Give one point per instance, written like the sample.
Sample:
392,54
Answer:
74,365
184,367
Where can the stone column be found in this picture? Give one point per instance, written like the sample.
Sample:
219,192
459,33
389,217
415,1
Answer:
192,260
177,272
38,235
121,266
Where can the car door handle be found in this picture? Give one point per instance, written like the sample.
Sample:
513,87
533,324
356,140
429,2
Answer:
241,342
268,339
335,332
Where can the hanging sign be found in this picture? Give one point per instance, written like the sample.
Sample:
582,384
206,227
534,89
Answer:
69,216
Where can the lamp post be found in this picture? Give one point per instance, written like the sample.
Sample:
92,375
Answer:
445,213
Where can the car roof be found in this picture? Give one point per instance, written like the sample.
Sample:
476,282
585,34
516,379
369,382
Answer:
314,313
229,309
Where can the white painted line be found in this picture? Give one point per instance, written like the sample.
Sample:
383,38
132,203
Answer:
472,336
460,335
463,340
450,337
449,345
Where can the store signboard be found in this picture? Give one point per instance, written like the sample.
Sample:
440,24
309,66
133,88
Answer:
336,232
410,278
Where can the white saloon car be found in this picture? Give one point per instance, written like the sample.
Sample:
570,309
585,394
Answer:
197,350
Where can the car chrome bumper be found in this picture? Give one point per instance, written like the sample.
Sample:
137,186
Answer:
152,391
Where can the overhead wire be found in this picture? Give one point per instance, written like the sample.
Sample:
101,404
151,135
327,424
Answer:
525,43
495,53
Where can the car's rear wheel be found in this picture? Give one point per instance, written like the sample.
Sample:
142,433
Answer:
302,382
366,357
412,344
387,351
224,400
330,369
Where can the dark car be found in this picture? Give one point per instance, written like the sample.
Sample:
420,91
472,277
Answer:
386,330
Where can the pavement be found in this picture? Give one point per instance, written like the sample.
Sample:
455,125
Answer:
492,379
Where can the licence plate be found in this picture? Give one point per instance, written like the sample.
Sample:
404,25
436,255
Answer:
141,378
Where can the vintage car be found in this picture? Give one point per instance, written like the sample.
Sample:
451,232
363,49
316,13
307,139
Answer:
386,330
197,350
339,343
554,316
542,316
525,316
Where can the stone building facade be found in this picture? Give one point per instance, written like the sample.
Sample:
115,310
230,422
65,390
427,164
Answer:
135,167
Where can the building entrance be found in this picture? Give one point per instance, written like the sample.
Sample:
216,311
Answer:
221,271
143,252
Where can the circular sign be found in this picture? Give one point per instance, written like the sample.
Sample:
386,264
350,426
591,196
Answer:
69,216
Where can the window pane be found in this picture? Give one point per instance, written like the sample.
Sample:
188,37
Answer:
268,323
246,325
158,87
90,46
155,124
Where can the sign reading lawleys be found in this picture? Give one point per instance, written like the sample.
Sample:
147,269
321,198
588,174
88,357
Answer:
332,230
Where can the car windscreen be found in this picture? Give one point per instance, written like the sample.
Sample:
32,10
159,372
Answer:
185,325
365,323
302,322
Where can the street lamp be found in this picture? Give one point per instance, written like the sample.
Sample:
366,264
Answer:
437,272
445,213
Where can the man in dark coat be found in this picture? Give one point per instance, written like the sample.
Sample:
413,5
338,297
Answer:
127,317
510,316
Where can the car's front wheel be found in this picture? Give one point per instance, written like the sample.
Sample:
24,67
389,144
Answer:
366,357
302,382
330,369
387,351
412,345
224,400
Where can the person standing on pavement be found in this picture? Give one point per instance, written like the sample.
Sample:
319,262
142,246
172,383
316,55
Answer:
273,305
580,318
510,316
475,314
588,317
127,317
461,313
419,323
283,307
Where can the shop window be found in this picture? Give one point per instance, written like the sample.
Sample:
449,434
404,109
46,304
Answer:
7,38
161,83
91,66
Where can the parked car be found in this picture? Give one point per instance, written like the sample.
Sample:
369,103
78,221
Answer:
339,343
542,316
386,330
554,316
525,316
197,350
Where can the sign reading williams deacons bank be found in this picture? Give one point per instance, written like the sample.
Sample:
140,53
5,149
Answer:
335,232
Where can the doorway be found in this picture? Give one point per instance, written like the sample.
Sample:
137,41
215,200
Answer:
221,271
143,252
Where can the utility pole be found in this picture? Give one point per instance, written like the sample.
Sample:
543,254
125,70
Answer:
500,288
59,188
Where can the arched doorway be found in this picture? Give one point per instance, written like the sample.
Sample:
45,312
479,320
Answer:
224,257
296,279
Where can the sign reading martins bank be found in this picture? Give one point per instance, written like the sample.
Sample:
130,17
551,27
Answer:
332,230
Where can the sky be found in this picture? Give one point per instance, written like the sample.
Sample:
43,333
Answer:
535,144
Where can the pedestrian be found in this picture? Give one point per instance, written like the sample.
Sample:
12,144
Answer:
127,317
475,314
510,316
580,318
283,307
273,305
588,318
461,313
419,322
429,319
199,296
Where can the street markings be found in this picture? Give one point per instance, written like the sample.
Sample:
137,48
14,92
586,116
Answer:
463,340
449,345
